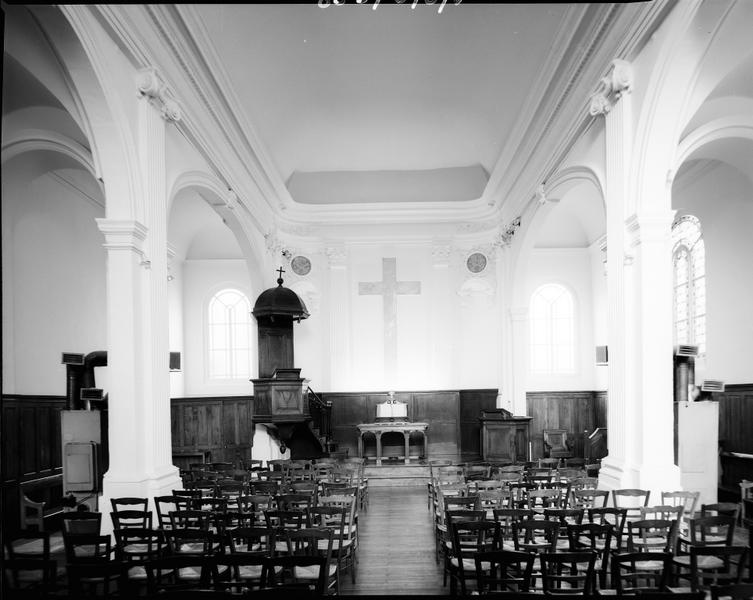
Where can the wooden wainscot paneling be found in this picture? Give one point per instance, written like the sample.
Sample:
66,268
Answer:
576,412
441,411
31,453
437,408
472,402
735,437
211,428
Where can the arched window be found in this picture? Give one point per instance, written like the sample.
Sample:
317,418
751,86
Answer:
689,268
552,318
229,335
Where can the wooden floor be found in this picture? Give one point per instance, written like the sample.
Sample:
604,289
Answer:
396,551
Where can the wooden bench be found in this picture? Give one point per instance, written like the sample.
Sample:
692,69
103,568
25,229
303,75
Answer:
35,512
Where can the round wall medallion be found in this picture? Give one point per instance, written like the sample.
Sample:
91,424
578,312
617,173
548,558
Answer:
476,262
301,265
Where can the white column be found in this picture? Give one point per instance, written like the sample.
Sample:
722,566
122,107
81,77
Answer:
139,428
520,337
340,364
440,290
506,370
653,436
612,99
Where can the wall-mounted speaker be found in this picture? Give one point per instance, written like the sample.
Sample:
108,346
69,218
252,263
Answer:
175,361
602,355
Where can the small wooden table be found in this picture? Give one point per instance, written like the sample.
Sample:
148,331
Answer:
378,429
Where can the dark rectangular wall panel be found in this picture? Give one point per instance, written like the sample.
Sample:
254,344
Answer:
735,437
472,402
576,412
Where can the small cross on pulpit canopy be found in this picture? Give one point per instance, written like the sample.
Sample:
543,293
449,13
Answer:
279,279
389,288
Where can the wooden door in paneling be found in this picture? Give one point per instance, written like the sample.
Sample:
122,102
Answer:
348,410
440,411
236,431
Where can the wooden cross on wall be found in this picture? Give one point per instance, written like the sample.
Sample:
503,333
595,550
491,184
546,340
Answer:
389,288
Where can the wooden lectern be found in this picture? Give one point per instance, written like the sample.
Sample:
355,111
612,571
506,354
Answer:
504,437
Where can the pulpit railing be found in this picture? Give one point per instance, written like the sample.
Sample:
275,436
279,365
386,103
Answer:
321,412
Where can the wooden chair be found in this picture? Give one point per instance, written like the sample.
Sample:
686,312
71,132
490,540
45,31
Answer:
29,577
254,544
568,572
505,517
557,443
595,538
652,535
127,503
179,573
746,498
34,546
291,576
134,547
634,572
96,579
505,571
81,522
336,518
131,518
631,499
587,498
615,517
714,565
469,537
313,542
239,574
728,509
535,535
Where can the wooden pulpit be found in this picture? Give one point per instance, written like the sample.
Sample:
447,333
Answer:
504,437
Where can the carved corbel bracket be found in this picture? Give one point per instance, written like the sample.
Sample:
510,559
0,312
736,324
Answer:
611,87
151,86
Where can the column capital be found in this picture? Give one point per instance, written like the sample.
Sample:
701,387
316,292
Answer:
122,234
611,87
336,255
649,226
151,86
440,254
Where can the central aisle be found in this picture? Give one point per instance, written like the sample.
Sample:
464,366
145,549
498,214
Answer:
396,552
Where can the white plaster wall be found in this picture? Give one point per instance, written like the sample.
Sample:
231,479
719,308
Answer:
571,267
443,340
175,323
53,278
599,308
201,280
722,199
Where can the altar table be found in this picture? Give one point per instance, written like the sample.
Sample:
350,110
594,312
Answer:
380,428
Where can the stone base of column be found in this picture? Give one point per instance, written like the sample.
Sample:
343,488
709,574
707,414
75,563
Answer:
658,478
159,483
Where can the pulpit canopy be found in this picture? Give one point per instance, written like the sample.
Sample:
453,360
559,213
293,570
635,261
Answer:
280,302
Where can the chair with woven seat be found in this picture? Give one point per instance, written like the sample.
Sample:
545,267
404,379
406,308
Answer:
96,579
129,503
540,499
190,519
254,544
29,578
652,535
343,552
535,535
81,522
134,547
131,518
595,538
714,564
499,571
505,517
588,498
29,545
468,538
180,573
725,509
568,572
631,499
290,576
441,529
313,542
615,517
633,572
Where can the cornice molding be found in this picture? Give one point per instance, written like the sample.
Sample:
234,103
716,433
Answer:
614,30
121,234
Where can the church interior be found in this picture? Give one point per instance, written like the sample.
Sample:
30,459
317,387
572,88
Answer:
403,247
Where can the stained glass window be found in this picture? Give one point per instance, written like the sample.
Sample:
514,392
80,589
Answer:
552,321
229,335
689,267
